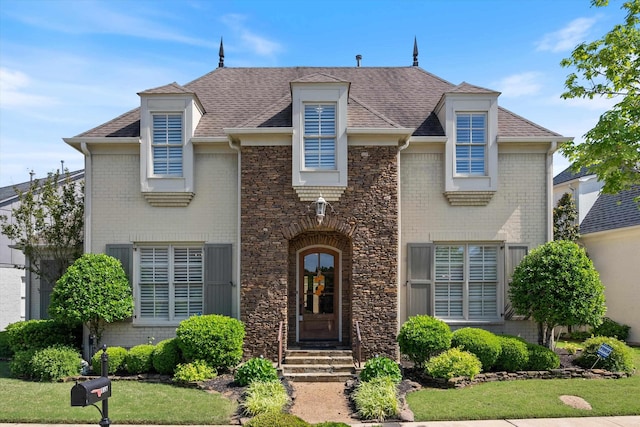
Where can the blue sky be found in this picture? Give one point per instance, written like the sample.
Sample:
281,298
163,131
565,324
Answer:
67,66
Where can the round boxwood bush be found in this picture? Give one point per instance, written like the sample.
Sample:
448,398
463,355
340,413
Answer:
484,344
117,357
139,359
381,366
256,369
454,363
214,338
514,354
198,370
20,365
275,419
423,336
55,363
620,359
166,356
541,358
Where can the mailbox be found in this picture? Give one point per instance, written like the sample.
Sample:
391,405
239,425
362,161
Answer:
90,392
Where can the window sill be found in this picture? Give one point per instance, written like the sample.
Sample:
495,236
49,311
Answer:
155,324
169,199
462,322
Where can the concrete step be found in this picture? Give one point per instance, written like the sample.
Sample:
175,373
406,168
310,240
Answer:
319,377
318,353
319,360
300,369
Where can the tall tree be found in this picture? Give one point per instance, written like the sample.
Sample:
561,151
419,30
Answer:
48,223
609,67
565,219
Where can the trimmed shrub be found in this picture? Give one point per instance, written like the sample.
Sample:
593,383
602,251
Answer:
484,344
20,365
264,396
331,424
39,334
139,359
376,399
197,370
166,356
256,369
514,354
381,366
620,359
214,338
272,419
55,363
611,328
117,357
541,358
423,336
5,348
454,363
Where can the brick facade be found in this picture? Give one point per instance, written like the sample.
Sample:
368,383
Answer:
363,226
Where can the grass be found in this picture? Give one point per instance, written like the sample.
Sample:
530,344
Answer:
529,399
131,403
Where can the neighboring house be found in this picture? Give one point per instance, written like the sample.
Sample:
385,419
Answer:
208,193
610,232
23,295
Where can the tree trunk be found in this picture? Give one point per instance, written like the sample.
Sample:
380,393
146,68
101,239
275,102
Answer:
548,338
540,333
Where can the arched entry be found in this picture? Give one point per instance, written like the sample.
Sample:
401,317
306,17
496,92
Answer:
319,295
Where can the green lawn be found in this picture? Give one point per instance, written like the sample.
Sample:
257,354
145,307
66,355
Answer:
529,399
137,403
131,403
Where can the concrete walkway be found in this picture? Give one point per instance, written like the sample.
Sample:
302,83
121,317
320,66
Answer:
633,421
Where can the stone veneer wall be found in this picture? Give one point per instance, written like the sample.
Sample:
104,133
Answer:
273,219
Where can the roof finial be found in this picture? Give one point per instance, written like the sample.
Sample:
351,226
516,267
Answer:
221,54
415,51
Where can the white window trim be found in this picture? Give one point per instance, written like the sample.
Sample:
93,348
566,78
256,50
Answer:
138,320
465,284
470,103
167,185
319,93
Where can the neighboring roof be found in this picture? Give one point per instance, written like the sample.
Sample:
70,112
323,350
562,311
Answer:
261,97
611,212
568,175
8,194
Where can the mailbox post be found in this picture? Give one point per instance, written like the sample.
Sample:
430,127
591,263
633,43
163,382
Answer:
96,390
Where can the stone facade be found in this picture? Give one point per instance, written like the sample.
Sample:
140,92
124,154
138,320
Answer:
362,225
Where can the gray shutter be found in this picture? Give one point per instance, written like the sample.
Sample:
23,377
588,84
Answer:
124,254
217,279
419,278
514,256
49,269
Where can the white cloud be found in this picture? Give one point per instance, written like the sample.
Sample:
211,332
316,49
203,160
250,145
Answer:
14,86
522,84
249,40
568,37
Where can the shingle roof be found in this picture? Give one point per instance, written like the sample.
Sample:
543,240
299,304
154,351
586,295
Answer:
612,211
569,175
8,194
261,97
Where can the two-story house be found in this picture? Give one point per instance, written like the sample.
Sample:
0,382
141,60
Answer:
321,197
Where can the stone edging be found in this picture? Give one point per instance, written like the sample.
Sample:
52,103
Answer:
566,373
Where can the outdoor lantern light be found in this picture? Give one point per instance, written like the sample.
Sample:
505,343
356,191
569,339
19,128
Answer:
321,207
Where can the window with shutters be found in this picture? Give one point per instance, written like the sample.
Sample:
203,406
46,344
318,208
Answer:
320,136
466,282
170,283
167,144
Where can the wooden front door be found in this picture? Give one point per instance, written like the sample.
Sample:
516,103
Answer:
319,278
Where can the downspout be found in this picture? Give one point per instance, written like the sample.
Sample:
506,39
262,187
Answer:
87,196
236,147
549,170
405,144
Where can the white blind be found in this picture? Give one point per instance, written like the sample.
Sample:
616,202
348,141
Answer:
154,283
320,136
471,140
167,144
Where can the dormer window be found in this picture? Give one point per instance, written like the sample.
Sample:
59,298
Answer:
471,143
320,136
167,144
